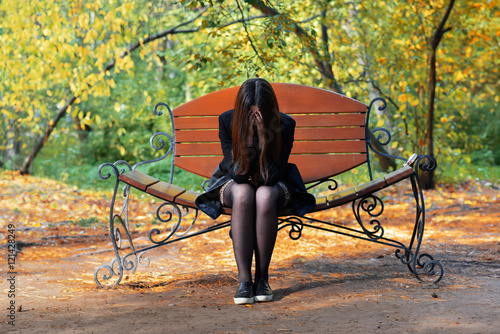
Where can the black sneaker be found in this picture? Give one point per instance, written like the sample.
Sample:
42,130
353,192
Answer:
244,294
262,291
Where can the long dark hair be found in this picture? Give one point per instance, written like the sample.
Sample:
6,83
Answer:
260,93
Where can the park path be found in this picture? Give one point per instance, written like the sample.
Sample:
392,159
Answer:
322,283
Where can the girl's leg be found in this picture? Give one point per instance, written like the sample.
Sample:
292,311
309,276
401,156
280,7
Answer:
268,200
241,198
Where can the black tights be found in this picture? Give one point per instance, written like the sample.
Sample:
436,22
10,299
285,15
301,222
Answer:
254,226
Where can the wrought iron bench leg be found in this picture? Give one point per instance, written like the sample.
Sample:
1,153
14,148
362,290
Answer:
421,264
118,264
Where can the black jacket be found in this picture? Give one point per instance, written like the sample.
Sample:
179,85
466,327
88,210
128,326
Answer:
301,202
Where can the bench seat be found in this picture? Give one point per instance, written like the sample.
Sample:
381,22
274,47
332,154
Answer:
175,194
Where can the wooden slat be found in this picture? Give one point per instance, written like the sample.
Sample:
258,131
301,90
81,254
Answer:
183,149
370,187
197,135
313,120
303,133
321,203
398,175
300,99
203,167
335,146
292,99
187,198
165,191
138,179
193,123
317,167
299,147
327,120
211,104
341,197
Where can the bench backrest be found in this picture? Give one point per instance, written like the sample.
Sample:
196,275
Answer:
330,135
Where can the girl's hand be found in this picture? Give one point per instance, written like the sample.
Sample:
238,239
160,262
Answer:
251,129
255,124
259,127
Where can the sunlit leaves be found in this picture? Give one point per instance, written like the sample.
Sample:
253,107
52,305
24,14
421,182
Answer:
52,50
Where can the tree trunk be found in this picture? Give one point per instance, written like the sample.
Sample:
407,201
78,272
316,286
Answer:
28,162
427,178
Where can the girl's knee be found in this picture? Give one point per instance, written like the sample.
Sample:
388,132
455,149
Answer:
242,193
267,197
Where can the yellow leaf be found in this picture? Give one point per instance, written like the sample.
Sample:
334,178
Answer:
117,107
403,85
459,75
380,123
111,83
402,107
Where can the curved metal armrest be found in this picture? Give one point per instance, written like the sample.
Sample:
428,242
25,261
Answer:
161,142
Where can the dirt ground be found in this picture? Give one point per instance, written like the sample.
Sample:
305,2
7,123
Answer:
322,283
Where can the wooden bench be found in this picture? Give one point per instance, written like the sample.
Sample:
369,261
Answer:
331,137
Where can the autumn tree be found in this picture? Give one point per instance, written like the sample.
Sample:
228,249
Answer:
94,68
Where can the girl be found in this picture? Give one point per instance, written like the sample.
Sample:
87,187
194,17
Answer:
255,179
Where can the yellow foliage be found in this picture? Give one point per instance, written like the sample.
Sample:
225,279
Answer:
403,98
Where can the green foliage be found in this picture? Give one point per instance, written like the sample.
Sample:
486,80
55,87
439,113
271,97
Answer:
54,50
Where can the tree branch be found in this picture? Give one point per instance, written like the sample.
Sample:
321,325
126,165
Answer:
248,34
60,113
332,83
438,34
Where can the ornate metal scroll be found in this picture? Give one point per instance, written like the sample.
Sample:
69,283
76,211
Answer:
161,142
374,207
379,138
333,186
174,229
296,225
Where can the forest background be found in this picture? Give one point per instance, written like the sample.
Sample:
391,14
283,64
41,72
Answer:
79,79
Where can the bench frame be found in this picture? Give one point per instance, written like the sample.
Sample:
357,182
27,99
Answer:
179,210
